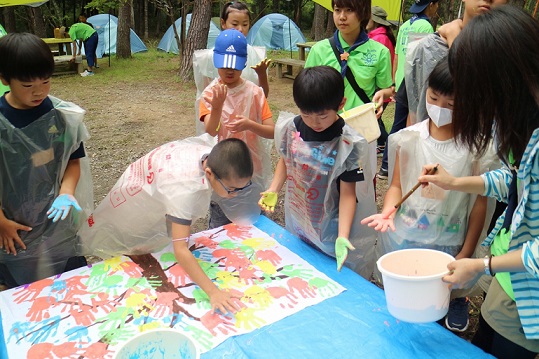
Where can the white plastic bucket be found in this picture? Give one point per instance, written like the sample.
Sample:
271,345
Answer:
413,284
161,343
363,120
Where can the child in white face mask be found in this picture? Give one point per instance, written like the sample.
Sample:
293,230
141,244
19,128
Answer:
432,217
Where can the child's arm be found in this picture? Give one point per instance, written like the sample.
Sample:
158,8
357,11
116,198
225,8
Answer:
9,235
218,299
268,199
381,222
212,121
66,200
241,123
476,222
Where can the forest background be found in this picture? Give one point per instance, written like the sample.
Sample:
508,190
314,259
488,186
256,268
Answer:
151,18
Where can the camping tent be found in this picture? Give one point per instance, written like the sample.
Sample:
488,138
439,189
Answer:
275,31
168,42
107,28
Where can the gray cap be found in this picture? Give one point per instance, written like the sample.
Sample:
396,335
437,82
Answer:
379,16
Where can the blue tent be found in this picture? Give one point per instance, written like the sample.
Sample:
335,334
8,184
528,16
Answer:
168,42
275,31
105,24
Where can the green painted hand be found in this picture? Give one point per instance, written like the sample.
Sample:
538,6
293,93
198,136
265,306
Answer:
342,245
268,200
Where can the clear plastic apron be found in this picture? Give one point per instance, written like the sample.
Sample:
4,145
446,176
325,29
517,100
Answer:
32,164
312,198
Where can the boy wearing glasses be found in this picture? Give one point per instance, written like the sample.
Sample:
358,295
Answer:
324,163
161,194
232,107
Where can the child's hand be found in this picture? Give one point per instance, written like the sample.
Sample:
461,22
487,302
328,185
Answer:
9,235
440,178
381,222
239,124
218,95
61,206
378,101
224,301
262,66
268,200
342,245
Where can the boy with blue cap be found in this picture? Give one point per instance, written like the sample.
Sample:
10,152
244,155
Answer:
232,107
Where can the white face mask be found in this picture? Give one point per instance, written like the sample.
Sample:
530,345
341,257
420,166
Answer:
439,115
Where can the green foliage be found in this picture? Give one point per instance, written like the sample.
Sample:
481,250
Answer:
104,6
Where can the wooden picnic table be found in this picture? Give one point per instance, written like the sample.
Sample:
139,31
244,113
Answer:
53,42
302,46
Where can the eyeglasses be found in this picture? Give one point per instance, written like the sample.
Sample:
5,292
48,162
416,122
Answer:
235,190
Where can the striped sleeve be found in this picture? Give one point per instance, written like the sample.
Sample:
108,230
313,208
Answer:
497,183
530,256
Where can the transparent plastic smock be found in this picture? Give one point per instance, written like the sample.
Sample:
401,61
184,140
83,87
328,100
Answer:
204,73
422,55
246,100
431,217
167,180
312,198
33,160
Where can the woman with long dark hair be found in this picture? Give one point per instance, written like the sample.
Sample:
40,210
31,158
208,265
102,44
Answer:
495,65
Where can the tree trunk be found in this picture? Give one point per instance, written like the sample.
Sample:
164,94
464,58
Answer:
146,20
197,37
36,23
123,42
318,30
330,27
9,19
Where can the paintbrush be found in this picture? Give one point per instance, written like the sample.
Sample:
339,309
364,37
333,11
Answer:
394,209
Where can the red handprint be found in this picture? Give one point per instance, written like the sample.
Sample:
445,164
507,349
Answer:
280,292
37,311
30,291
214,321
206,241
237,232
163,306
302,287
268,255
178,275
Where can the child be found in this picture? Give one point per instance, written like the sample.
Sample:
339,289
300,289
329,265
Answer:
326,163
364,64
161,194
234,107
88,35
435,219
235,15
41,151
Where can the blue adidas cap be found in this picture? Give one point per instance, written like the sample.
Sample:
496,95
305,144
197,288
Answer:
230,51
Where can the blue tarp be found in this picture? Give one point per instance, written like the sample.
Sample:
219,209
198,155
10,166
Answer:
275,31
105,24
168,42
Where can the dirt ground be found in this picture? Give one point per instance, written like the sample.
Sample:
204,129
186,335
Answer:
127,118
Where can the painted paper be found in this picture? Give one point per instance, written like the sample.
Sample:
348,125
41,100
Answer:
91,311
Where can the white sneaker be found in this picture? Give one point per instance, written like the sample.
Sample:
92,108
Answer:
87,73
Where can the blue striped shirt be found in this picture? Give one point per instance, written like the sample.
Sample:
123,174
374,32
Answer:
524,231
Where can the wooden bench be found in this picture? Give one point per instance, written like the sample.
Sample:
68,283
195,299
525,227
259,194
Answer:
289,63
63,65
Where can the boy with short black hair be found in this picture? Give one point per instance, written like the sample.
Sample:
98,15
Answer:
41,151
326,163
159,196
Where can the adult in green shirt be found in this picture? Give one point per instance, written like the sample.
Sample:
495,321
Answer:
423,10
88,35
3,88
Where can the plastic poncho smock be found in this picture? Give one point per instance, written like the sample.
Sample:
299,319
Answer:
33,160
205,72
312,197
432,217
169,180
246,99
421,58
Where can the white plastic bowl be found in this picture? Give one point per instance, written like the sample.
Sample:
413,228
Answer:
159,343
413,284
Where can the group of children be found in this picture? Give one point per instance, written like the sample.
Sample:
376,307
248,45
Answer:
326,165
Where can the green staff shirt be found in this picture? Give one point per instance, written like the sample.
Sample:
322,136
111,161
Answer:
80,31
370,64
419,26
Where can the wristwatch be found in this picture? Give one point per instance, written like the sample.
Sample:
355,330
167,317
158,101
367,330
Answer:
487,266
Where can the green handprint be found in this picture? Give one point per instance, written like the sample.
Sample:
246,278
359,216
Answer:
202,299
325,287
292,270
